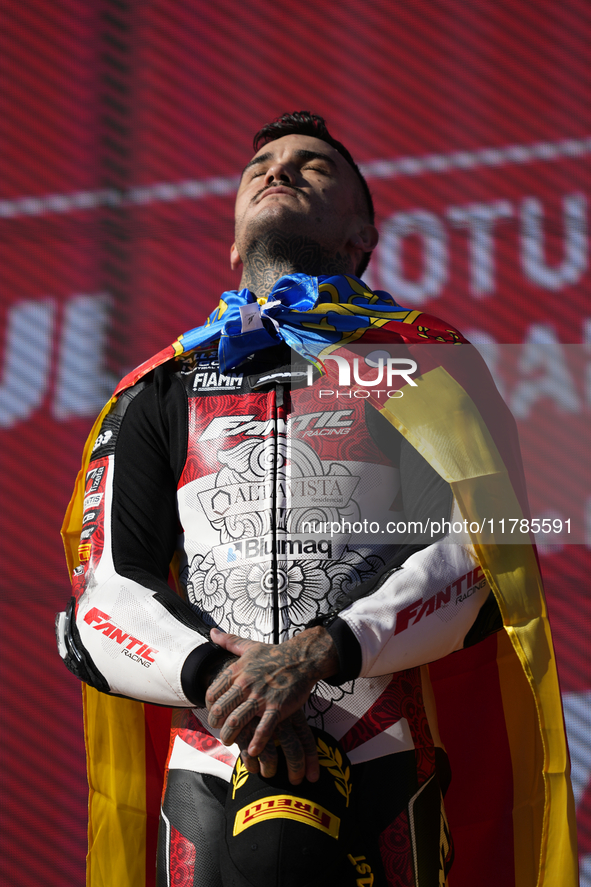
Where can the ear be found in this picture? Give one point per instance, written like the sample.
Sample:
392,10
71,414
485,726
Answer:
235,260
364,239
367,237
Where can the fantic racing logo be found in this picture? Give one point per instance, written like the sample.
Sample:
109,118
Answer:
325,423
106,626
351,384
465,586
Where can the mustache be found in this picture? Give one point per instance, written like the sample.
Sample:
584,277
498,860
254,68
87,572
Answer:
276,185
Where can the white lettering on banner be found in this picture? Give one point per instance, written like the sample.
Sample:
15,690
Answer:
490,355
480,218
577,711
543,368
544,373
480,221
577,719
82,385
27,357
431,230
587,344
575,261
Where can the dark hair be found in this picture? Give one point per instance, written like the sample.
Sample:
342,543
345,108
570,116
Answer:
306,124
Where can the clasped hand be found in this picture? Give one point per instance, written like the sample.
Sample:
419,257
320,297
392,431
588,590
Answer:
258,698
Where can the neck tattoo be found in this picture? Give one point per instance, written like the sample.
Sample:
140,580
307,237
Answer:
272,256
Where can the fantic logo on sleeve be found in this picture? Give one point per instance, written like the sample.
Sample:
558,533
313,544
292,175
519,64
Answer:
464,587
329,422
102,622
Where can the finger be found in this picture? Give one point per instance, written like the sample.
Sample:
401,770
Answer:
225,705
243,739
251,764
264,731
293,751
308,741
237,720
268,759
221,685
231,642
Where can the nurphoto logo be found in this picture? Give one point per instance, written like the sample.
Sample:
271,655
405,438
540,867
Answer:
388,371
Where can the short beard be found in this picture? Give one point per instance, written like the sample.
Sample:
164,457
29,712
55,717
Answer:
273,254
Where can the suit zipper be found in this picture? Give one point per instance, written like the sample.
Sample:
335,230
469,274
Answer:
274,515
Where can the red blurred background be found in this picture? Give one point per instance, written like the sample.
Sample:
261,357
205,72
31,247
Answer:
123,127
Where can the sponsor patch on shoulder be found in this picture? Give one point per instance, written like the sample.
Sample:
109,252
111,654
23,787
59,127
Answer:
104,445
211,380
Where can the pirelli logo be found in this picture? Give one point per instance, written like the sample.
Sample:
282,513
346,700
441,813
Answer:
287,807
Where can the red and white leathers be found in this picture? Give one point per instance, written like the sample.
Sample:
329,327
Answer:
277,501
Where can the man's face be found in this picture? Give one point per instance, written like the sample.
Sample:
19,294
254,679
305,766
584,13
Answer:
299,185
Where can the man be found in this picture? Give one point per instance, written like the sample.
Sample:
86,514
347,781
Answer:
220,454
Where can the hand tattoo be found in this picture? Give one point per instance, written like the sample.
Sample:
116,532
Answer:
268,681
297,743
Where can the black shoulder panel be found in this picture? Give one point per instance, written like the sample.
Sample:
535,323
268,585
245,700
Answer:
107,436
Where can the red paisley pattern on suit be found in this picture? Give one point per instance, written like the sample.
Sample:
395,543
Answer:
402,698
186,726
396,852
182,860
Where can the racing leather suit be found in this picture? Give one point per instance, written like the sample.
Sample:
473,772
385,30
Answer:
277,502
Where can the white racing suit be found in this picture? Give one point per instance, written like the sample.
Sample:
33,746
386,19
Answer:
278,503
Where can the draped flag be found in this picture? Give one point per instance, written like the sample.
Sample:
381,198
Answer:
510,805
